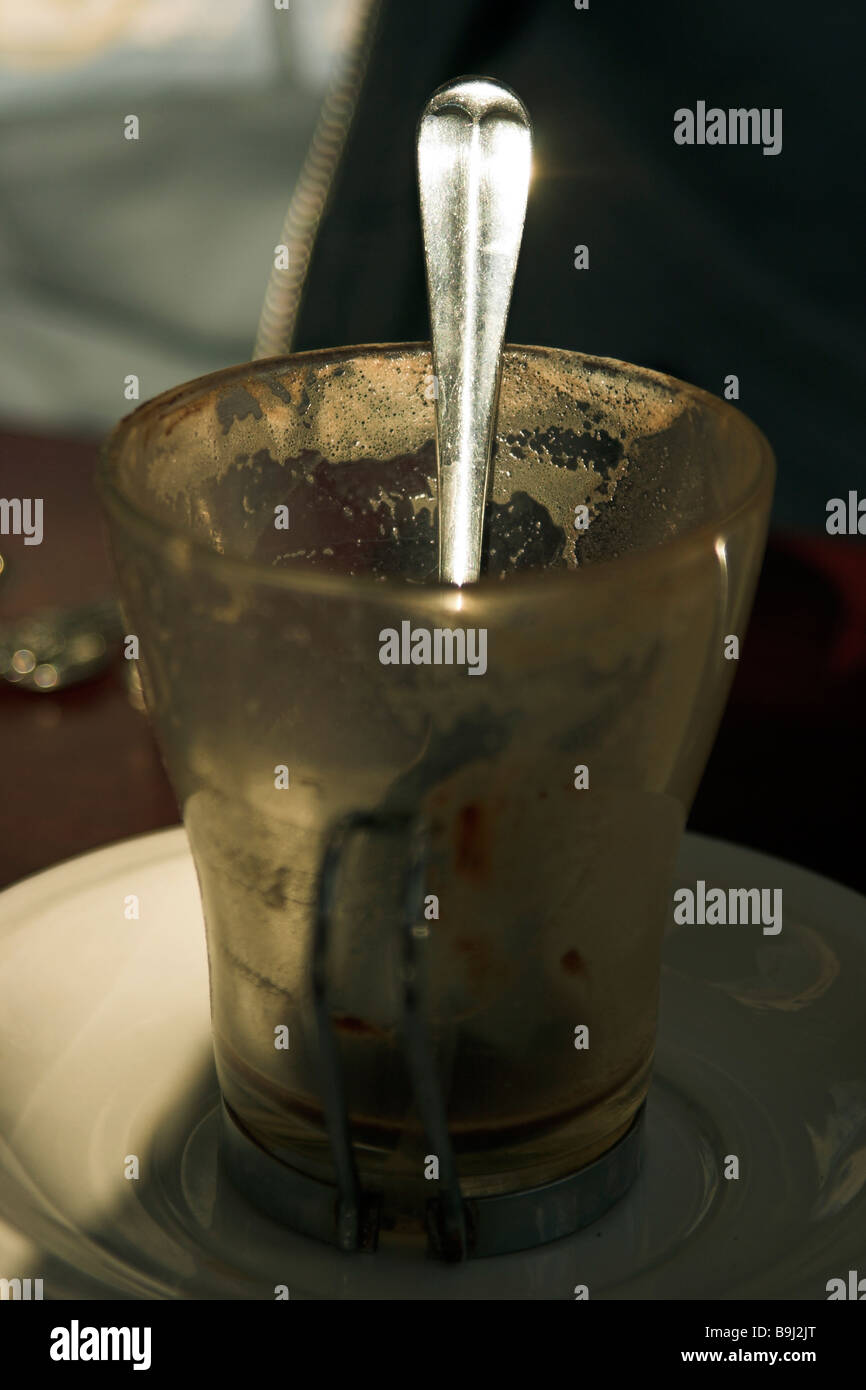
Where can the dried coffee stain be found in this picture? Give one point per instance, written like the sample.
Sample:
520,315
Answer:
472,842
573,963
275,895
348,1023
476,957
237,404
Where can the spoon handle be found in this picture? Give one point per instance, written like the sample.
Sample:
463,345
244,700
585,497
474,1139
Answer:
474,150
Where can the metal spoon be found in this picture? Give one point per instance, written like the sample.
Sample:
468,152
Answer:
474,151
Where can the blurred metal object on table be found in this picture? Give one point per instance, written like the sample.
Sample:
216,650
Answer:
54,648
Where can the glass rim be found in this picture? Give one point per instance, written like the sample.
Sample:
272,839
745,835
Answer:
670,553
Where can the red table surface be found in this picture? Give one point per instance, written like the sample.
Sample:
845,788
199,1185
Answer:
80,768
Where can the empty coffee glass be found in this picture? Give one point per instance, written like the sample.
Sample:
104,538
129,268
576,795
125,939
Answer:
274,532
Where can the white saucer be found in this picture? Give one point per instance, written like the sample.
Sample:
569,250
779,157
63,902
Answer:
106,1048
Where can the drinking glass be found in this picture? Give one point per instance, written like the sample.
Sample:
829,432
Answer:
501,841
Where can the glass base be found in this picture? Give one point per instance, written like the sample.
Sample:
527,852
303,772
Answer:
455,1228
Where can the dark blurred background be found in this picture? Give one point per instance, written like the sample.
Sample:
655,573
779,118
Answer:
150,257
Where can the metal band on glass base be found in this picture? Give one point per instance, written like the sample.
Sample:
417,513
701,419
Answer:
350,1218
495,1225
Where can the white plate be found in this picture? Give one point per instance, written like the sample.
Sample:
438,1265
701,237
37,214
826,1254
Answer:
106,1053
